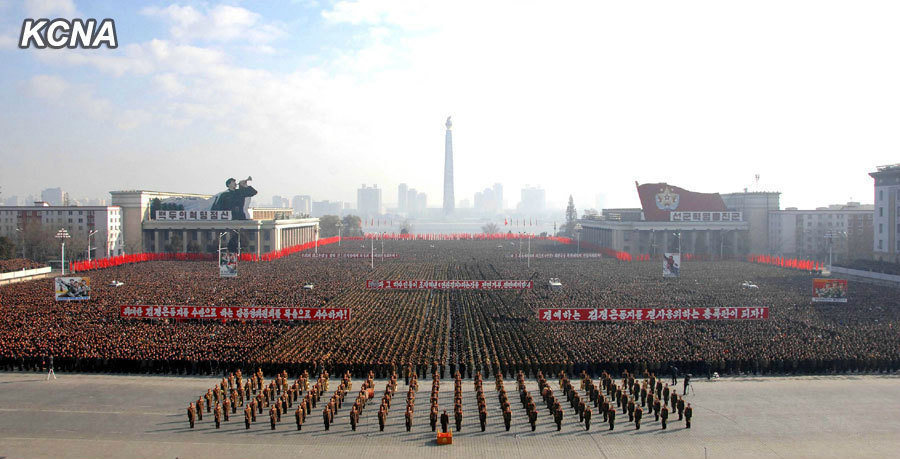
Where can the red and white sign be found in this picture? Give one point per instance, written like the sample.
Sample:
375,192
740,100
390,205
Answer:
449,284
634,314
347,255
193,215
558,255
233,313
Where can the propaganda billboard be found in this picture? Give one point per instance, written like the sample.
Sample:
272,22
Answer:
829,291
72,288
227,264
671,264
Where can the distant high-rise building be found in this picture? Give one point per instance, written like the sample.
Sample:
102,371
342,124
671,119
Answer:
320,208
449,200
276,201
421,203
53,196
302,204
885,243
411,203
12,201
402,191
368,200
534,200
490,200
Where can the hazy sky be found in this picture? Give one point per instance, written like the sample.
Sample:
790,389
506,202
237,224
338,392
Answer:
583,98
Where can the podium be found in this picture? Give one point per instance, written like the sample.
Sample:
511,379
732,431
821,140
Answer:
445,438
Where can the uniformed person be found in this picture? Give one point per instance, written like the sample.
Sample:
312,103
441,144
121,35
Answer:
482,418
507,418
381,418
445,421
656,407
272,417
225,408
199,407
631,407
326,416
432,417
247,416
680,408
218,415
458,414
409,415
638,413
664,415
688,412
611,415
191,414
587,418
558,417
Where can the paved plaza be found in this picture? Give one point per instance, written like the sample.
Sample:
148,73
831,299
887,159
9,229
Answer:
85,415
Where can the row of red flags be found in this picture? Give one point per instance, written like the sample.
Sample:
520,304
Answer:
109,262
458,237
506,222
792,263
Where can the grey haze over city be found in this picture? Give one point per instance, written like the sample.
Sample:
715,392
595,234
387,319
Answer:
579,98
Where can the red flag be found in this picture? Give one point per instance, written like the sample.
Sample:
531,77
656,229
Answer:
505,222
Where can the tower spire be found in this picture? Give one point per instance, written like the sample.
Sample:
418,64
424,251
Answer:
449,201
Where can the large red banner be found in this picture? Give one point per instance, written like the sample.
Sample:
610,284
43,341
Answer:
348,255
634,314
233,313
449,284
557,255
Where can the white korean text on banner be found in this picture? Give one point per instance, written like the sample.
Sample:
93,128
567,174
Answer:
639,314
228,264
72,288
201,215
671,264
449,284
348,255
233,313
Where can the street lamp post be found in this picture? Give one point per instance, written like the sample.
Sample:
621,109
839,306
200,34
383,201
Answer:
529,251
21,240
62,235
338,225
90,234
830,235
578,229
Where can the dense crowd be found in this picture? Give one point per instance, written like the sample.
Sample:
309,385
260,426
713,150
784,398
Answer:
451,331
18,264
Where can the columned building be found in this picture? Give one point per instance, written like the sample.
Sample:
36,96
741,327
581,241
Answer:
671,219
267,229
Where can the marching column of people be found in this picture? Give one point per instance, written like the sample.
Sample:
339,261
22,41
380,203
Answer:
257,395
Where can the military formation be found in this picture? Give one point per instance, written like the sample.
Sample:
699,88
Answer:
576,402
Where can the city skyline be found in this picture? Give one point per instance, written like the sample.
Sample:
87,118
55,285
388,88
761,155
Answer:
325,97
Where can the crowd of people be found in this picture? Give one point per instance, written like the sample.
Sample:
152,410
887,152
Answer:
445,332
18,264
